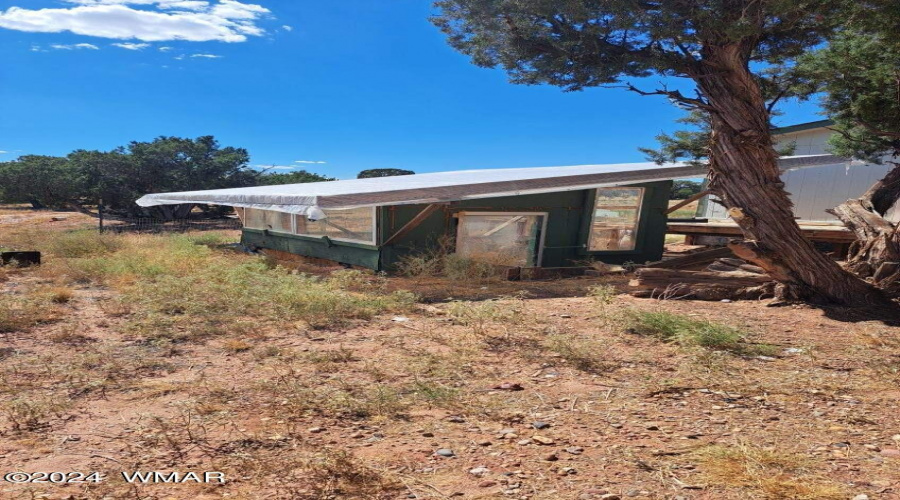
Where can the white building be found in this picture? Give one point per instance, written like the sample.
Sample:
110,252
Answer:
815,189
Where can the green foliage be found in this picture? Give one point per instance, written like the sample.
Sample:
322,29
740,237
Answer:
576,44
165,164
43,181
690,332
121,176
383,172
690,145
859,73
684,189
297,177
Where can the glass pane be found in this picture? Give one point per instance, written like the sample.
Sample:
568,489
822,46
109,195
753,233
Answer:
254,219
503,239
307,227
267,219
278,222
615,219
356,224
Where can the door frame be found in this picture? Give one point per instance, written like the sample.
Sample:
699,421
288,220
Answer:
545,220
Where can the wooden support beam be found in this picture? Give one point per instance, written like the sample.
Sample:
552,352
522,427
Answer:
414,223
688,201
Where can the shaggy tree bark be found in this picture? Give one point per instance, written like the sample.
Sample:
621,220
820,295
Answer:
744,172
876,253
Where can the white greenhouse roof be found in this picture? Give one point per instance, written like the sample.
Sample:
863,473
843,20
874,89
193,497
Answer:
310,198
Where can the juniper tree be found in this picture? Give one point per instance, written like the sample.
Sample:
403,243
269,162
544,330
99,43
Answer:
716,44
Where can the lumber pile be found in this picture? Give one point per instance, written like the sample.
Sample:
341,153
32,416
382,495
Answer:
725,278
728,265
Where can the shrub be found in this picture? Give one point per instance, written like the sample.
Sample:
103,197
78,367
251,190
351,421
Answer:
439,260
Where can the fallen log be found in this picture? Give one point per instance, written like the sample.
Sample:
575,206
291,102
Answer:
728,265
702,285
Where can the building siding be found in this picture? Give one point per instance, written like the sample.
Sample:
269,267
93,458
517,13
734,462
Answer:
816,189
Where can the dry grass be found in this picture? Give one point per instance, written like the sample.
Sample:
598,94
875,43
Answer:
169,354
766,473
686,212
18,313
439,260
236,345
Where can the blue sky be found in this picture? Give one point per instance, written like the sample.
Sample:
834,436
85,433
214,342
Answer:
355,84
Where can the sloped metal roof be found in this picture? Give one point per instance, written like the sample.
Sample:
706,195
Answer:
310,198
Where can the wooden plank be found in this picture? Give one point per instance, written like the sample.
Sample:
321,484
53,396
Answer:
688,201
693,259
502,226
820,233
415,222
656,276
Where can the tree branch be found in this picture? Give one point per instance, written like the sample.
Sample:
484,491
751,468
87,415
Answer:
671,94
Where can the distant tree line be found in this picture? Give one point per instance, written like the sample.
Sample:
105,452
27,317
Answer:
84,178
383,172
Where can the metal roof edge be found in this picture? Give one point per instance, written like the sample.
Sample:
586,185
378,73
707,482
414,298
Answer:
800,127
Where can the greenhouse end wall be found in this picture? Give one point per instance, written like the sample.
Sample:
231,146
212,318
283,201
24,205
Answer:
567,230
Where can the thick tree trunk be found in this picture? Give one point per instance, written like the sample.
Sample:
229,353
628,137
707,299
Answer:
172,212
876,253
744,173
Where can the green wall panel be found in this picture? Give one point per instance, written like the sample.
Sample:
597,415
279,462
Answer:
342,252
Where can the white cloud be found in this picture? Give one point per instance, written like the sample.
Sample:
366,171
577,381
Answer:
77,46
311,161
207,56
159,20
287,28
166,49
3,152
132,46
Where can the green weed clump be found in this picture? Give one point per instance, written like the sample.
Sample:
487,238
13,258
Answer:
689,332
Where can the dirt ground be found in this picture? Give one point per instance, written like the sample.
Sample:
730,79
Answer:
490,393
